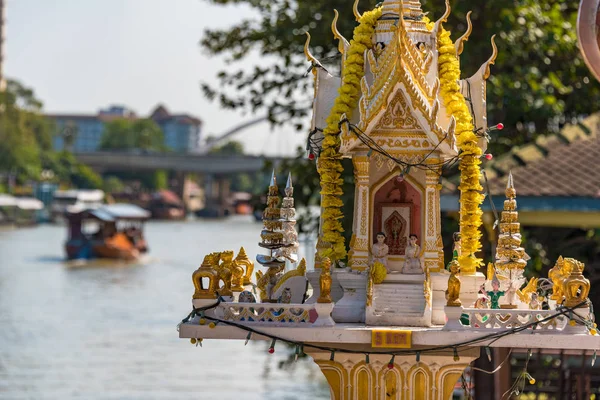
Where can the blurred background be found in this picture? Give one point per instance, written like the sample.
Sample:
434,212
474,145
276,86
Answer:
183,109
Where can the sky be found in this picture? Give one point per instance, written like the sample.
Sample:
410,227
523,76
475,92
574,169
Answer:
82,55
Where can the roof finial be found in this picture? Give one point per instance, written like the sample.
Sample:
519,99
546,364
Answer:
357,14
273,179
289,181
460,43
492,60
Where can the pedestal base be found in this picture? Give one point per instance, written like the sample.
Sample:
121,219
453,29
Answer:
469,289
324,314
433,378
336,290
351,307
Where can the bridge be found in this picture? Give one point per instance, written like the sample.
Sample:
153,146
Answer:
215,170
213,164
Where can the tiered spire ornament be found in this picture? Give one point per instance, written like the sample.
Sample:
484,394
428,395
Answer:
511,258
272,235
288,221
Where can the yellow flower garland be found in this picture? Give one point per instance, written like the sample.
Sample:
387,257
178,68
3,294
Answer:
470,153
329,164
378,272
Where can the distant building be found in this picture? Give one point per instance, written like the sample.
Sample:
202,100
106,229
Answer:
181,131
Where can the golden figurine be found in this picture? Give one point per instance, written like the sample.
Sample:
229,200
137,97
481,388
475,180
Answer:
575,287
225,275
237,271
243,260
266,282
526,294
453,291
206,270
557,275
325,281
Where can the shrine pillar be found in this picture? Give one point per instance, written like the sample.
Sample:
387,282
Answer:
432,239
359,244
432,378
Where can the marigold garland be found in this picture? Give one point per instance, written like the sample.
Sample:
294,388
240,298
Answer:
329,164
378,272
470,153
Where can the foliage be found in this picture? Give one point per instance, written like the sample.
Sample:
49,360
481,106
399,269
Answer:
124,134
161,179
113,184
228,148
536,84
24,132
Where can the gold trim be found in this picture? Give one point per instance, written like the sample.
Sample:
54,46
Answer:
357,14
460,42
300,271
337,35
492,59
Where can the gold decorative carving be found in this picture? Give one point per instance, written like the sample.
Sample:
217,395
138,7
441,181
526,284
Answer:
404,143
361,167
398,115
430,212
575,286
243,260
237,271
262,280
361,244
325,282
206,270
300,271
431,245
225,274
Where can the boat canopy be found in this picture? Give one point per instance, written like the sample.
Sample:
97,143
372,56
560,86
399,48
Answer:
114,212
29,203
7,200
23,203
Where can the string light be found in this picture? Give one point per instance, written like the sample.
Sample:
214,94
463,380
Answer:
488,156
297,353
272,347
560,311
488,353
367,358
418,356
391,363
332,356
248,338
594,358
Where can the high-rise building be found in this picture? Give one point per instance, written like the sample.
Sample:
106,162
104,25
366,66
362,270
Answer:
83,133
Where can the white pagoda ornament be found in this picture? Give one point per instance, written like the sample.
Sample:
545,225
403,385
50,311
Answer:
288,224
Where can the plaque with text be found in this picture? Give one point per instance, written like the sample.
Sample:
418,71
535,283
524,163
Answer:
391,339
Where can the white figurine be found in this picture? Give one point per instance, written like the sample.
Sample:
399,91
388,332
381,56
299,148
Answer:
412,263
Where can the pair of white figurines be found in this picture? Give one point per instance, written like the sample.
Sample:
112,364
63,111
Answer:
412,262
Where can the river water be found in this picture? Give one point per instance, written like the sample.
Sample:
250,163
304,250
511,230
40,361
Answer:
108,330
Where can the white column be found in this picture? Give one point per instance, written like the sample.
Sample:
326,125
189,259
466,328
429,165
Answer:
359,245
